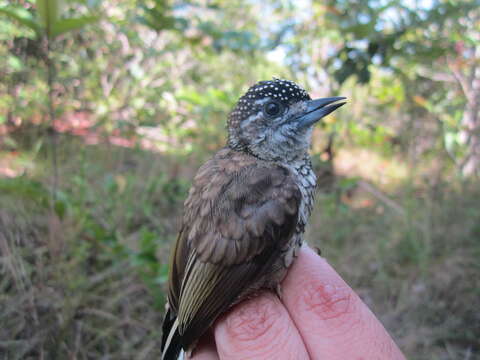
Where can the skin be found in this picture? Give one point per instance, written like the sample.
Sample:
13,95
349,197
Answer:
319,317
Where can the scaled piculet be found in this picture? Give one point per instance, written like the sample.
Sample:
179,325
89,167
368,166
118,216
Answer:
246,211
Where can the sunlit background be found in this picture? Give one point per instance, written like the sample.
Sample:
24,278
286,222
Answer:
107,109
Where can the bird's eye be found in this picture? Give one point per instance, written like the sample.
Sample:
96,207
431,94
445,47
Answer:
273,108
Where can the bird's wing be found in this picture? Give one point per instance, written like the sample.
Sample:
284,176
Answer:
239,215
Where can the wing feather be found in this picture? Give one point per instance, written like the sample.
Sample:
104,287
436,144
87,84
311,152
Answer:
239,215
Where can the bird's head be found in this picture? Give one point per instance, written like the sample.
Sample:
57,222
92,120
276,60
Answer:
274,120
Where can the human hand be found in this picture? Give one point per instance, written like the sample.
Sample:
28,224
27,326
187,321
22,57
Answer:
318,317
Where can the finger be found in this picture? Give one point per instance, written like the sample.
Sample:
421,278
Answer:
332,320
259,328
206,348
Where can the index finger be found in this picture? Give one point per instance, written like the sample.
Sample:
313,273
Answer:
332,320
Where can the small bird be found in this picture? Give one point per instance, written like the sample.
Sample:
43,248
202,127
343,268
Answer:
246,211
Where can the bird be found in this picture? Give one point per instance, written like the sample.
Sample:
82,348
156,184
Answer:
246,211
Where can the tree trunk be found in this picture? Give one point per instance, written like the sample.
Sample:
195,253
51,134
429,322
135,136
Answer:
467,74
471,119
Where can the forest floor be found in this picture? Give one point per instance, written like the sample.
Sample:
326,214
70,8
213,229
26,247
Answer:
83,274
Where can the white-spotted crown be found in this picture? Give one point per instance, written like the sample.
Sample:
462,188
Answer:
285,91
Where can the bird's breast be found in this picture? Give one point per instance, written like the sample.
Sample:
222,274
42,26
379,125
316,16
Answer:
307,182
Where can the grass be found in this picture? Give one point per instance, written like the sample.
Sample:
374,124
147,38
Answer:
417,270
84,277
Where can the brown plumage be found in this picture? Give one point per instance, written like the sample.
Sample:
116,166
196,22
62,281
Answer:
244,215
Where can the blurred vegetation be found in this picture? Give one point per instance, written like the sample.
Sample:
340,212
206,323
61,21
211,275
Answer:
108,108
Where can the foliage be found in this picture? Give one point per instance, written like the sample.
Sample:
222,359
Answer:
48,21
424,47
137,94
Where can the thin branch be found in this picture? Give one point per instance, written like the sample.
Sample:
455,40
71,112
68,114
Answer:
466,88
381,196
51,113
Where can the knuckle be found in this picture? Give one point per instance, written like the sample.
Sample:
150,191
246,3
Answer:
334,305
253,320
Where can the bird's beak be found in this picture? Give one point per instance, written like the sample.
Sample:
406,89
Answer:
319,108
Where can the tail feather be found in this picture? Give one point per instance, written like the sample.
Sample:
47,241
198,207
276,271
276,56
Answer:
171,346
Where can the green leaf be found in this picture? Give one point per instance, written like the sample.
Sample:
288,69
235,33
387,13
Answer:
48,11
22,16
25,188
15,63
64,25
